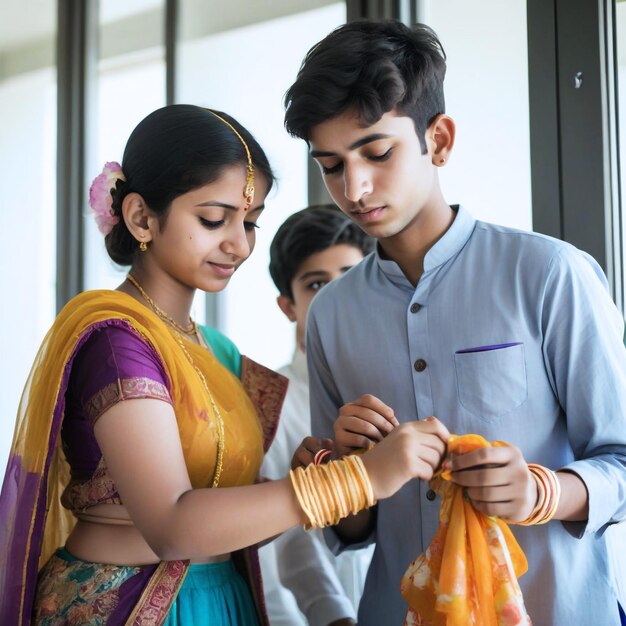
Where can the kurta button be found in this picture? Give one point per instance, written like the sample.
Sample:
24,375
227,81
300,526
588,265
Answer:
420,365
430,495
415,307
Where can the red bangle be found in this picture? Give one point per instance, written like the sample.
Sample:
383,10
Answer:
320,455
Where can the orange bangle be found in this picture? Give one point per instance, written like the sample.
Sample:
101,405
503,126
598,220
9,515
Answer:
548,496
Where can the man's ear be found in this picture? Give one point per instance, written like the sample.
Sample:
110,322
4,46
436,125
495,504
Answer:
139,219
441,133
286,306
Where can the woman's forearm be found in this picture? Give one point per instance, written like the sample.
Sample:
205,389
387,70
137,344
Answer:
207,522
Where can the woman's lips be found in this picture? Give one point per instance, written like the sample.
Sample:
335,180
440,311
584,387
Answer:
222,270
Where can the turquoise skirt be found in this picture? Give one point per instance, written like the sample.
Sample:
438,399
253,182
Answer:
213,594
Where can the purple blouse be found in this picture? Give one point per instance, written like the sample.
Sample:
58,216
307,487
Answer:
113,364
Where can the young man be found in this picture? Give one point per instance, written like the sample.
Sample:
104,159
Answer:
312,248
508,334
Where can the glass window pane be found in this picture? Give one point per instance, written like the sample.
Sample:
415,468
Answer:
620,42
131,84
241,57
486,90
27,196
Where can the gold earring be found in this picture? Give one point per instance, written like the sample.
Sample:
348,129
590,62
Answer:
143,246
442,160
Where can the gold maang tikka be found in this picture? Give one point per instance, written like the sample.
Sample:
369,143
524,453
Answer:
248,190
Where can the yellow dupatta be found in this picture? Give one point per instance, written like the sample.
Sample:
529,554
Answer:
468,575
32,521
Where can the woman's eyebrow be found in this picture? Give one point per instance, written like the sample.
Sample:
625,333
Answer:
223,205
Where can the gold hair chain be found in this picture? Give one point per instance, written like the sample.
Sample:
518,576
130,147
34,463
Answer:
176,328
248,190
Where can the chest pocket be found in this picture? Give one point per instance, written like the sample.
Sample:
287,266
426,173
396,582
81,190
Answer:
491,380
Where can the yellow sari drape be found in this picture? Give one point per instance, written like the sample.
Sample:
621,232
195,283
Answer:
468,575
34,523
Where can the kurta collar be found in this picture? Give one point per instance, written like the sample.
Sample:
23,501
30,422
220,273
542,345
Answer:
448,246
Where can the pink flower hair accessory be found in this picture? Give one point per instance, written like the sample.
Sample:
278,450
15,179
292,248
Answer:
100,199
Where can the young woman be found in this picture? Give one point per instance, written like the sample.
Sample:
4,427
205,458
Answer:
131,482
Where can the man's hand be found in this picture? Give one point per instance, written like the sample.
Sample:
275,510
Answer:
362,422
497,481
306,451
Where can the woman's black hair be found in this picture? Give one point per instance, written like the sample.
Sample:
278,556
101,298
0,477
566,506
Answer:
306,232
370,67
172,151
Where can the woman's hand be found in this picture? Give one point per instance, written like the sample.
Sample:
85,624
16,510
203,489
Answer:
412,450
306,451
362,422
497,481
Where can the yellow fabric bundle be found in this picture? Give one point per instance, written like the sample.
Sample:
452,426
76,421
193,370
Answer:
468,575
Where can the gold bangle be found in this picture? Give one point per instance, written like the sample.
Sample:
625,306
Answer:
295,476
340,500
548,496
356,463
332,507
331,491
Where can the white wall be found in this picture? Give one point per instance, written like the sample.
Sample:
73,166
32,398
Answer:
486,90
245,72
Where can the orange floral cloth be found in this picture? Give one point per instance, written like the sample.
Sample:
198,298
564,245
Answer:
468,575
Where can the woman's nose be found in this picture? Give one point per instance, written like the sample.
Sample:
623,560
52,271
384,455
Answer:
236,243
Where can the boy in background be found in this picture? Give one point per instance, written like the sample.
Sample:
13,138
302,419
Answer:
311,248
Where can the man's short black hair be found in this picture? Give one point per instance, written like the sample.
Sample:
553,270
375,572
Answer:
306,232
371,67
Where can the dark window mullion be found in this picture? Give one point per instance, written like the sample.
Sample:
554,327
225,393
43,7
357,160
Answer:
543,109
77,54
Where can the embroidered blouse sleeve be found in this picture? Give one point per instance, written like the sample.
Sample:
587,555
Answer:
114,364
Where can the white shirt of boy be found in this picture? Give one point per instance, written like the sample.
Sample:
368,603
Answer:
317,587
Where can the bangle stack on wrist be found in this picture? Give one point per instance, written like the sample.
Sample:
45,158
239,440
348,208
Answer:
331,491
548,495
